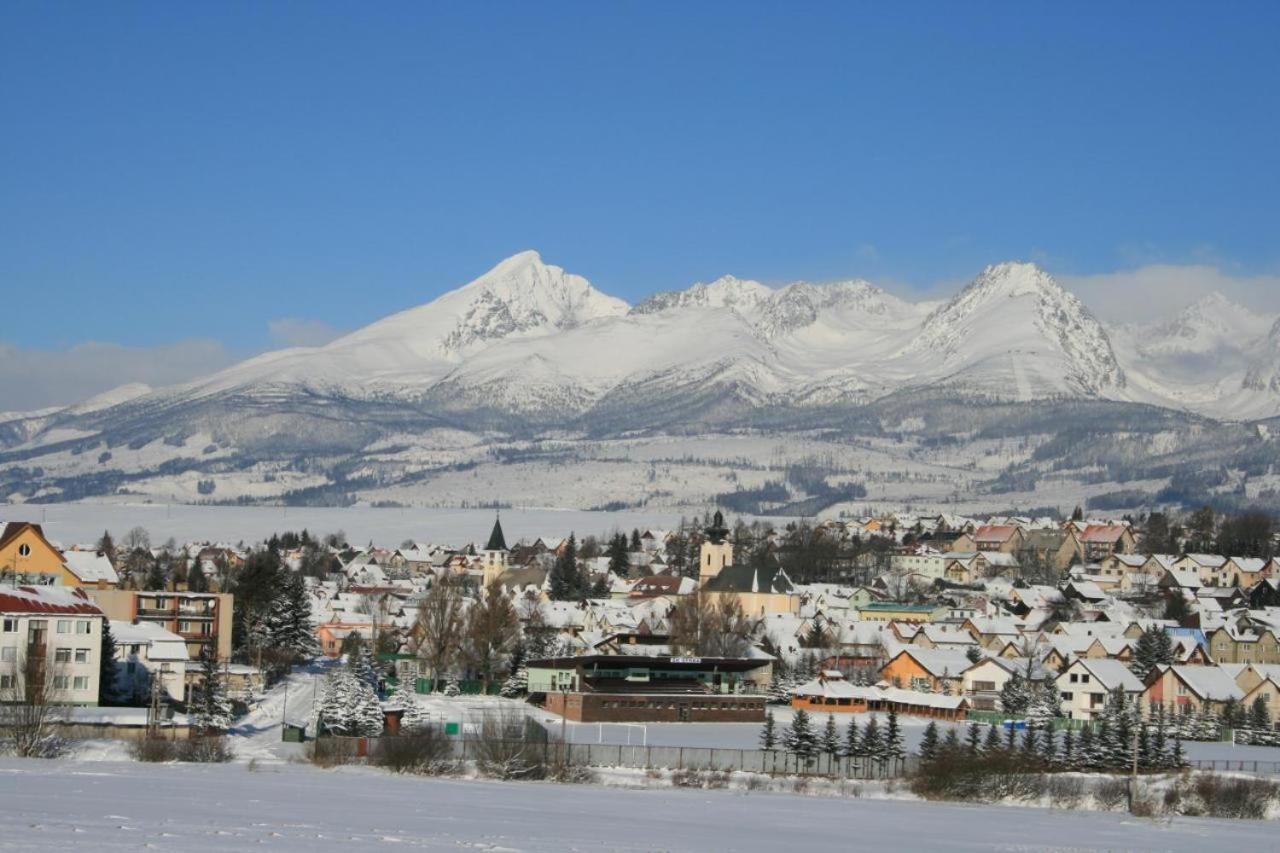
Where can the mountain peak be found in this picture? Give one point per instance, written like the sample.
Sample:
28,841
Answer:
1014,278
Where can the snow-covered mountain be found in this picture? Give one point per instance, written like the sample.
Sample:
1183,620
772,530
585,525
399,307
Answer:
528,350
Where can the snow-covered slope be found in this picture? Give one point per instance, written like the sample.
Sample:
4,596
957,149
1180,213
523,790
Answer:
530,352
1013,332
522,297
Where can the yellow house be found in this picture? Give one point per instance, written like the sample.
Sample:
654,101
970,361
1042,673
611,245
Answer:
762,590
27,557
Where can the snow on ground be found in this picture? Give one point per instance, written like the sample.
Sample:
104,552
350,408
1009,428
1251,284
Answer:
52,805
257,735
84,522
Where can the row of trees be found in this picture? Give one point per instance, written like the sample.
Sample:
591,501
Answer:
804,739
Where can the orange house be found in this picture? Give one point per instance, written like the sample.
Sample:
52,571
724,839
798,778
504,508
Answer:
27,557
927,670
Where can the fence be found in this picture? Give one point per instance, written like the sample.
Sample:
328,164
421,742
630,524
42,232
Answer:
1234,765
771,761
997,719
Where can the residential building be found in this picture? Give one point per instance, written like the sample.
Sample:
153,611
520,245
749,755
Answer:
1085,684
202,619
54,636
148,654
1191,689
27,557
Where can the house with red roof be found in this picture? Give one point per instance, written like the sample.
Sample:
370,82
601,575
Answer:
50,640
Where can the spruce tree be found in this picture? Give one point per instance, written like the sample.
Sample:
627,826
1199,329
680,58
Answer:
1086,751
893,748
872,746
950,744
108,668
800,737
1015,696
852,740
991,744
211,710
768,735
1067,759
973,739
1154,648
1048,746
831,737
1260,720
196,581
929,742
1177,757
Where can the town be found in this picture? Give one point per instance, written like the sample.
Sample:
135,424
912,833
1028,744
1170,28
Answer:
921,649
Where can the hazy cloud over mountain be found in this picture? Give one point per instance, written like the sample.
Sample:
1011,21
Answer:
34,378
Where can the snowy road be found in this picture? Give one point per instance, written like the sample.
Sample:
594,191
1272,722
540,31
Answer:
47,806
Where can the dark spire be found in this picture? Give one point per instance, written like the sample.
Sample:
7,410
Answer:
497,542
717,531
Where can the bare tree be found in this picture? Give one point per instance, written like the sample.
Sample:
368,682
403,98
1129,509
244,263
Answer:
491,631
710,626
30,707
439,626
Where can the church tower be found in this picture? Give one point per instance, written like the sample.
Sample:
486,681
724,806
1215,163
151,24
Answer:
717,550
494,555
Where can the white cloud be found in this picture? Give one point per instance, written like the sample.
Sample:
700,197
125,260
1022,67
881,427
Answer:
1158,290
297,332
34,378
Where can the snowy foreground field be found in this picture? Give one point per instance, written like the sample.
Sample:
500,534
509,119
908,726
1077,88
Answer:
106,806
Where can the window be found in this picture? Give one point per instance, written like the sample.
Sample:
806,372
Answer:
1084,678
64,626
80,682
62,655
82,655
1075,678
61,682
83,626
9,654
11,624
6,682
1067,696
24,550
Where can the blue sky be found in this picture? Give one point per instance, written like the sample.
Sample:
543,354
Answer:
179,171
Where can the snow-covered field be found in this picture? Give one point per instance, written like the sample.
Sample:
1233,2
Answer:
60,806
84,522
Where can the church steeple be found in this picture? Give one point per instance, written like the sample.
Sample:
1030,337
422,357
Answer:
497,542
717,550
495,554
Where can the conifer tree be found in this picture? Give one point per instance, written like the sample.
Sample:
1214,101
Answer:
1086,752
1177,757
768,735
853,740
1048,746
991,744
1154,648
800,737
893,748
108,671
929,742
211,709
831,737
1015,696
950,743
1067,757
872,743
973,739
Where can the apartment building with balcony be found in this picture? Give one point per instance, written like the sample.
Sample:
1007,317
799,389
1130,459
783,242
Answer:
202,619
50,645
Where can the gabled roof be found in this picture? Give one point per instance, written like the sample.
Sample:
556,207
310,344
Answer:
939,662
767,579
1111,674
1103,533
90,566
1208,682
47,599
995,532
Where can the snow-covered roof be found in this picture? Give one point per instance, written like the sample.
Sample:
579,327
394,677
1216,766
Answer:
1209,682
1111,674
47,599
90,566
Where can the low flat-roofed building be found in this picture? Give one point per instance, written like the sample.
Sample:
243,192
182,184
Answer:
658,688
